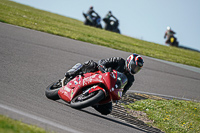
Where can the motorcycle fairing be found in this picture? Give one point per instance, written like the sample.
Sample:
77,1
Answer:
74,87
172,39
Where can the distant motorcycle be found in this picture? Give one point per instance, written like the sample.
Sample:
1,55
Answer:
93,21
94,88
173,41
111,25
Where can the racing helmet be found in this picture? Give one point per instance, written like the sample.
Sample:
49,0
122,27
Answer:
91,7
134,63
168,28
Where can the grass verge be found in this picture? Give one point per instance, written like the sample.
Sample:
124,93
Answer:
25,16
8,125
171,116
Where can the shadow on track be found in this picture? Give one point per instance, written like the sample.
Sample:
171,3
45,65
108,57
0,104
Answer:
121,113
104,117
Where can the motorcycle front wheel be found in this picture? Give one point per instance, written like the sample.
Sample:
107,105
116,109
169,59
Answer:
51,91
86,22
83,101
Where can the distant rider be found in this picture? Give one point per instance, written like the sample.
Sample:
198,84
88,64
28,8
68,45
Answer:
107,20
90,14
109,15
169,33
129,67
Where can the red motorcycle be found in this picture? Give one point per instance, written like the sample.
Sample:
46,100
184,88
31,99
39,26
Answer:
88,89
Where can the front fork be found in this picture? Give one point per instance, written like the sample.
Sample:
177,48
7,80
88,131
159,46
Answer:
63,81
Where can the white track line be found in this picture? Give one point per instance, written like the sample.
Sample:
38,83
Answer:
34,117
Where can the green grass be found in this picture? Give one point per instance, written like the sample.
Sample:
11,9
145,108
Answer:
171,116
8,125
25,16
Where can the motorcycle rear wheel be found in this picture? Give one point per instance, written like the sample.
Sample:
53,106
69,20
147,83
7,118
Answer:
83,101
51,91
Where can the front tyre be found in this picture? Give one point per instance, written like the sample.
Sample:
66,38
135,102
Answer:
86,22
83,101
51,91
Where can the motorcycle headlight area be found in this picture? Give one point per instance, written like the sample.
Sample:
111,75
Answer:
121,81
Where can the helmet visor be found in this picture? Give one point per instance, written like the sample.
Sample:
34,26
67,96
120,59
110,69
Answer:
135,68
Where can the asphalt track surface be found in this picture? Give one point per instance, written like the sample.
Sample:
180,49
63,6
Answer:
31,60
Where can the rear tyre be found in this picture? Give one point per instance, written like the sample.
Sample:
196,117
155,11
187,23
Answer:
117,31
83,101
107,27
51,91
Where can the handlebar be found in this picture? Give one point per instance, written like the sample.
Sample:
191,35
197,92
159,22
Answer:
102,68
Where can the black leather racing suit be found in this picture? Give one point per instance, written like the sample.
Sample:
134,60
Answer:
90,11
118,64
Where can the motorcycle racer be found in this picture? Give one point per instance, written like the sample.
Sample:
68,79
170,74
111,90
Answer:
90,12
109,15
111,24
169,33
129,67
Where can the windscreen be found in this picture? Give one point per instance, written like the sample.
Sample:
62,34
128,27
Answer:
121,80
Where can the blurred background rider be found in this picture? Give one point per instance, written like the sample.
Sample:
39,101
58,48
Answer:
169,33
89,14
